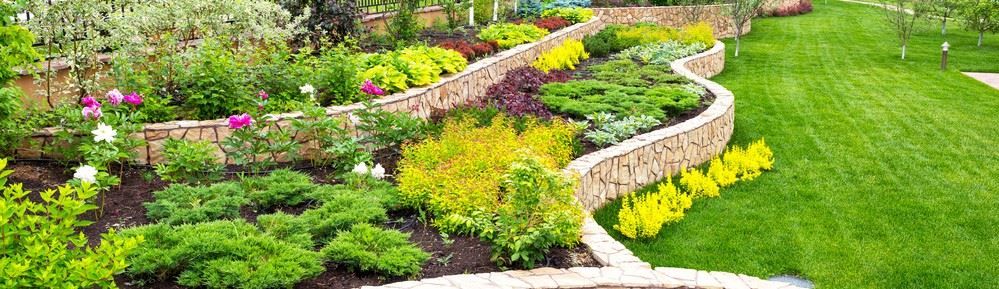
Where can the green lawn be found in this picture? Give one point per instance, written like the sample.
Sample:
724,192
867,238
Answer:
886,169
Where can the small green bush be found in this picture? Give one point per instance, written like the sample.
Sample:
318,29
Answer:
286,228
509,35
573,14
661,53
383,192
628,73
370,249
604,42
220,254
585,97
280,187
189,162
341,213
183,204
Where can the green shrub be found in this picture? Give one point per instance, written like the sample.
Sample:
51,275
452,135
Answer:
220,254
15,51
585,97
607,129
604,42
701,32
338,76
420,65
573,14
539,211
285,227
640,34
189,162
369,249
562,57
383,192
661,53
280,187
628,73
509,35
215,83
385,129
43,249
183,204
341,213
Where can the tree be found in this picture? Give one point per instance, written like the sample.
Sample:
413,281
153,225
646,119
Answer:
693,10
981,16
903,19
742,11
944,9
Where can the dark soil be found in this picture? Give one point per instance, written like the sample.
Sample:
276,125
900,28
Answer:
123,209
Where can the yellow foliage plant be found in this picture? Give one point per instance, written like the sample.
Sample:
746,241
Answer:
460,172
563,57
749,162
643,216
700,32
698,184
721,173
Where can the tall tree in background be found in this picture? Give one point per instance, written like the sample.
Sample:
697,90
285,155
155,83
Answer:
902,19
981,16
693,9
742,11
945,9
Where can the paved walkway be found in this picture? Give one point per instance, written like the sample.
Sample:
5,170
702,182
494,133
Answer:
992,79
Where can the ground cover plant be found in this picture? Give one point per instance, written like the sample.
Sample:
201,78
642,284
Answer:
860,196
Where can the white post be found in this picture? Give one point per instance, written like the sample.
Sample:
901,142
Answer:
495,10
471,12
515,2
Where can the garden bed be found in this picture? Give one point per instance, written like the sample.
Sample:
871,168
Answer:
123,208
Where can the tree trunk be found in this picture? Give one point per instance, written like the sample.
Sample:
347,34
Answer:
737,42
471,13
981,34
495,10
903,51
944,29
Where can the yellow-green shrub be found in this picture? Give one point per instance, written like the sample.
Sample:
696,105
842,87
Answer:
644,34
460,172
721,173
698,184
700,32
750,162
644,215
563,57
573,14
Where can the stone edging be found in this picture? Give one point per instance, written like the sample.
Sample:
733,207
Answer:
624,269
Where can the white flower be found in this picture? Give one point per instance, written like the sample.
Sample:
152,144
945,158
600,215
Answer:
378,172
86,173
104,133
307,89
360,169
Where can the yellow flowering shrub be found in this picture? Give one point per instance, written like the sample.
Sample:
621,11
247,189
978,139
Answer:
698,184
700,32
563,57
460,172
721,173
749,162
643,216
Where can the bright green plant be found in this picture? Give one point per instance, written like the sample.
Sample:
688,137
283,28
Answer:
338,75
389,129
404,26
340,213
15,51
41,247
258,143
220,254
286,228
370,249
183,204
573,14
629,73
585,97
539,211
189,162
387,77
215,83
604,42
280,187
327,142
644,33
562,57
509,35
661,53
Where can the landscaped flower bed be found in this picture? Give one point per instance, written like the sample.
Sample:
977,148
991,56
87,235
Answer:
385,195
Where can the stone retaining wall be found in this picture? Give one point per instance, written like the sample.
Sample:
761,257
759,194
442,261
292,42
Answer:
674,16
449,92
647,158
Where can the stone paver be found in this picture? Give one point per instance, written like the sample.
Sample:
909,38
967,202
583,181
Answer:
992,79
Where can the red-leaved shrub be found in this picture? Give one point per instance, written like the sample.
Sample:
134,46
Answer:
552,23
803,6
516,93
470,51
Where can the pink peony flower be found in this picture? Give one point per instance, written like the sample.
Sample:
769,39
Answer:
115,97
240,121
90,102
92,112
370,88
133,99
263,95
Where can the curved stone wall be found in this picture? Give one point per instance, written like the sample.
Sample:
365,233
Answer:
644,159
